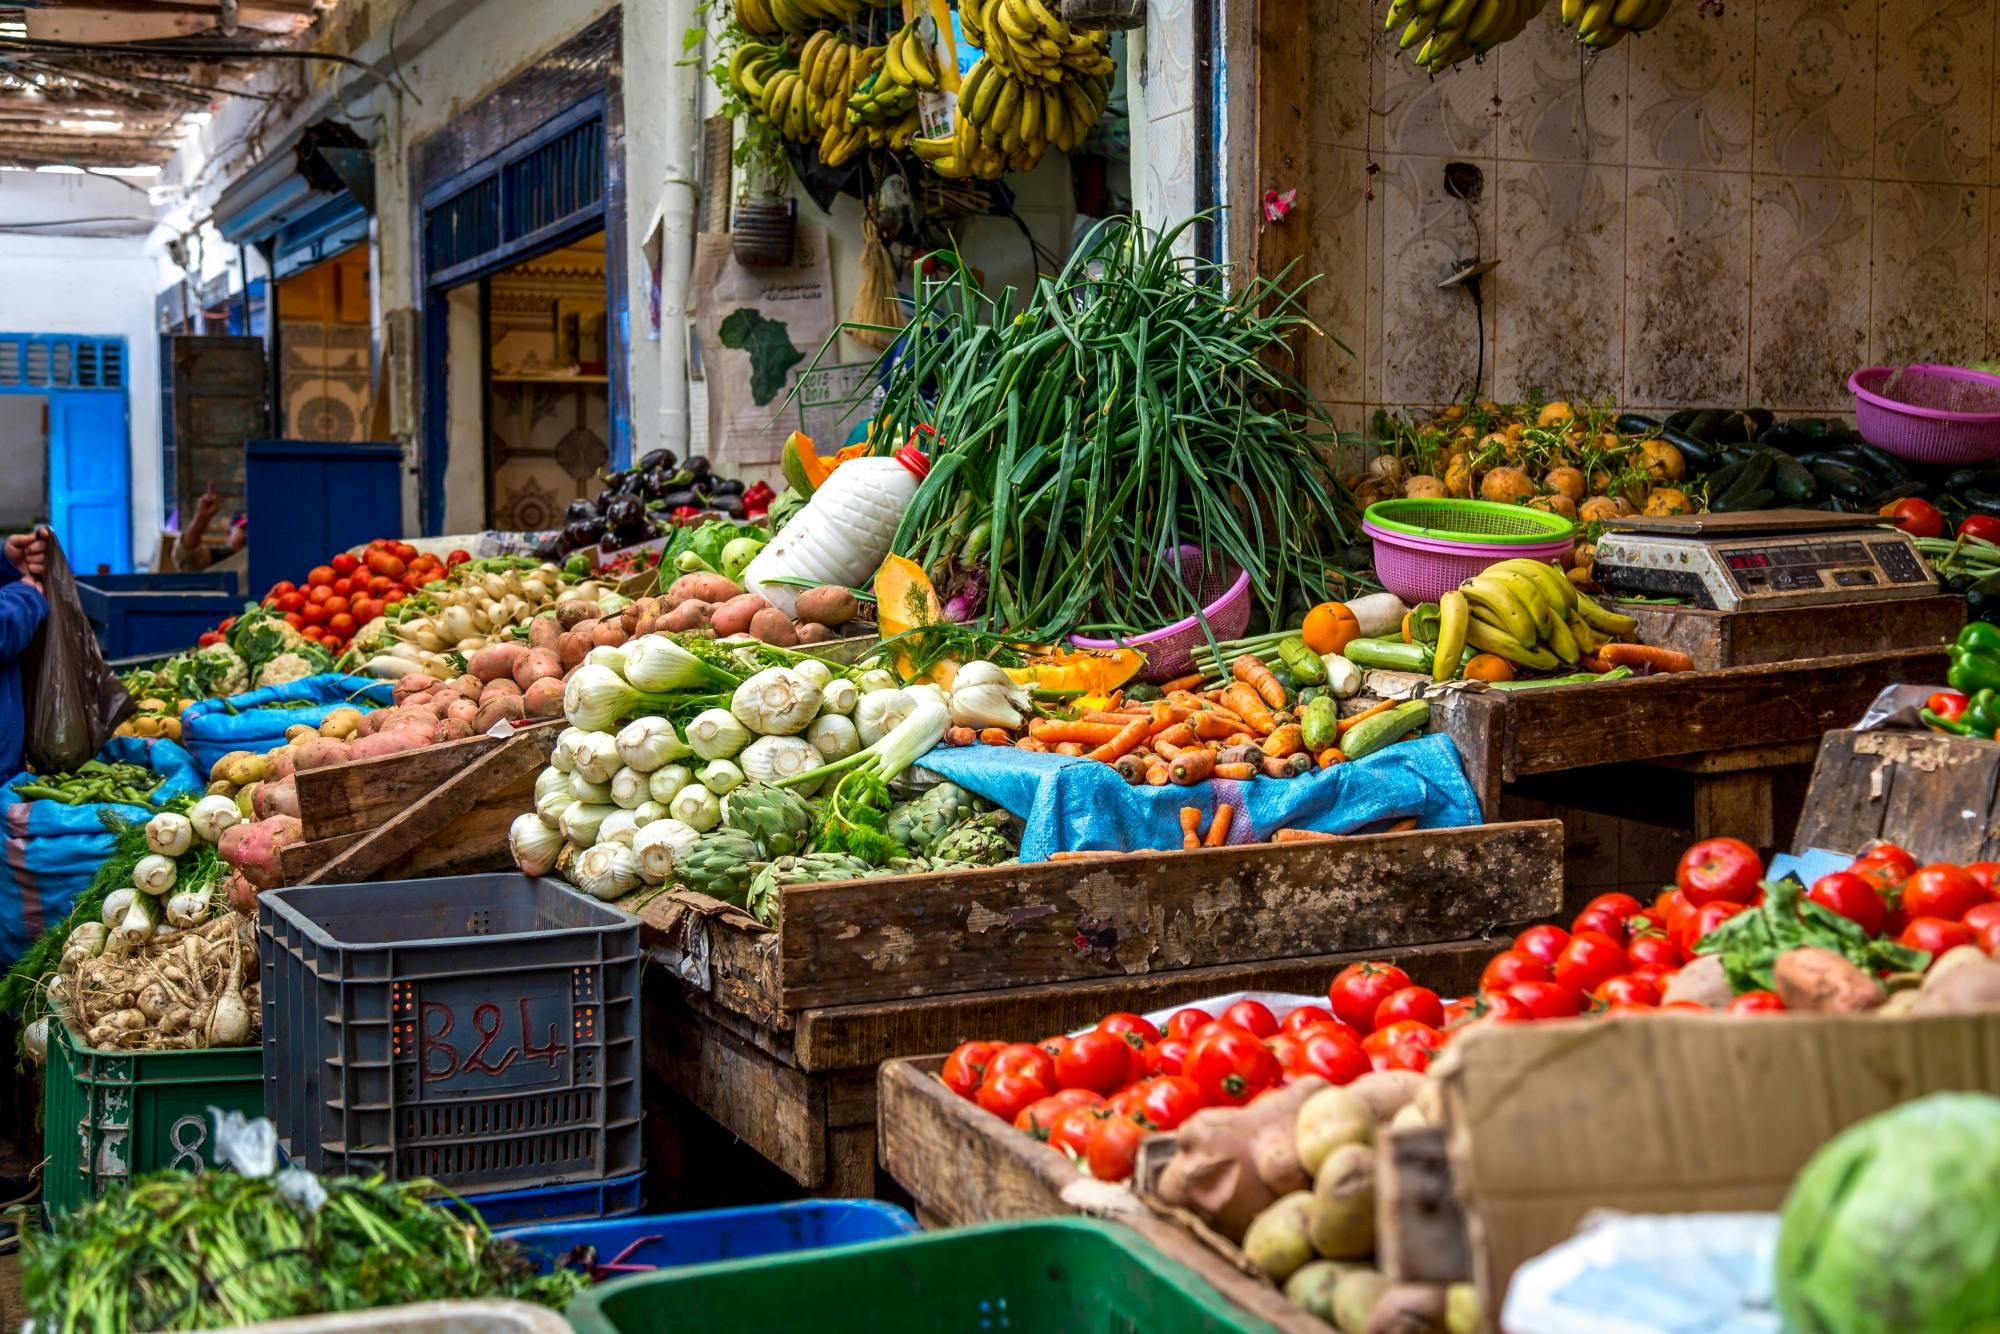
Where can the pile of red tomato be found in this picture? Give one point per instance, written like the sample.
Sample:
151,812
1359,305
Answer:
349,591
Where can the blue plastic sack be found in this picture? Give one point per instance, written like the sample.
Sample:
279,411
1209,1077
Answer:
214,727
52,850
1073,804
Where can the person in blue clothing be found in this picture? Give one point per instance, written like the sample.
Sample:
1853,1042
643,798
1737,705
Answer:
22,608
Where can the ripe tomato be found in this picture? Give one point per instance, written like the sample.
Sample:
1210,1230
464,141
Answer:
1333,1056
1915,516
1590,959
1941,890
1125,1102
1307,1016
343,587
458,556
1185,1022
1984,872
1460,1010
1358,988
321,576
404,551
1286,1047
1702,921
1604,923
1071,1130
1756,1002
1652,948
317,595
1982,915
1008,1095
1039,1117
1617,902
345,563
1543,942
335,605
1252,1017
1888,854
1853,897
1989,939
1547,1000
1114,1143
1628,990
1096,1060
1173,1055
1672,907
1507,967
366,610
1054,1044
314,614
1502,1007
1169,1100
1418,1003
282,587
1406,1044
1686,1007
1935,935
1659,974
291,601
292,618
1230,1066
1123,1023
1023,1058
1719,870
966,1066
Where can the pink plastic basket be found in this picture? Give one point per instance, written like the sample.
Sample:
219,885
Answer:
1422,569
1170,651
1929,414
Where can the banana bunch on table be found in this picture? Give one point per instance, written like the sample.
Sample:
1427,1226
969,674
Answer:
1005,123
1031,44
1529,614
1604,23
1448,31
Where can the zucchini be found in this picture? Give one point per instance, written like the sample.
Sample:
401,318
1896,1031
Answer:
1301,663
1791,479
1391,655
1841,480
1319,724
1756,476
1372,734
1882,463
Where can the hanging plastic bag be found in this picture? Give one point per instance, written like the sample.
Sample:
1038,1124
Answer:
73,698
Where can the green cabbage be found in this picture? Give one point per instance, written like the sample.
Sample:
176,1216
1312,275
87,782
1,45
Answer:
1894,1226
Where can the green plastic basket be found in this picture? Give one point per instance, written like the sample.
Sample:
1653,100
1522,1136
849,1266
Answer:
1049,1276
1484,521
108,1116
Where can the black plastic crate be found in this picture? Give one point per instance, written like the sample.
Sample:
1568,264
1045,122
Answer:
481,1030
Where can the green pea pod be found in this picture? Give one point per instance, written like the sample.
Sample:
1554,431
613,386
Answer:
1372,734
1302,662
1319,724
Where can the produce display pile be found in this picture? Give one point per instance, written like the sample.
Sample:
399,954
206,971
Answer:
656,497
93,781
1971,706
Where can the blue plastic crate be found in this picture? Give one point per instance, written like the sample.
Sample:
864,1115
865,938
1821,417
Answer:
667,1241
574,1203
136,615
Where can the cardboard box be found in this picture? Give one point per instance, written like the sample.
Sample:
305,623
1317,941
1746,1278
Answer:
1658,1114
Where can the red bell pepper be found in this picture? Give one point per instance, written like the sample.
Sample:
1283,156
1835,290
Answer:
1947,704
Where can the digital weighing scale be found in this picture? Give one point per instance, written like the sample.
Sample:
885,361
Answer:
1768,559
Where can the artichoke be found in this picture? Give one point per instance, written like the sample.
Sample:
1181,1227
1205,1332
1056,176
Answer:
919,824
721,864
777,818
978,841
766,899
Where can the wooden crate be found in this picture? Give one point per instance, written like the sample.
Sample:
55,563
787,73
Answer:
1718,639
1937,795
441,810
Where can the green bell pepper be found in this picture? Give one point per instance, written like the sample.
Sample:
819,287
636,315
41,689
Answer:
1982,714
1975,659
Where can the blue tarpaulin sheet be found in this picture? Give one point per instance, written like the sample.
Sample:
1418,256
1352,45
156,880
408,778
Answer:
52,850
213,727
1078,805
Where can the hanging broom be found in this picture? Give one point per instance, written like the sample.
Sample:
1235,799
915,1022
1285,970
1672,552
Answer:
875,303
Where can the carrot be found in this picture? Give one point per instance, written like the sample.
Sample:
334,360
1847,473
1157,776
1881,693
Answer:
1085,855
1188,682
995,736
1286,740
1218,833
1590,662
1645,655
1241,772
1128,738
1380,706
1030,743
1053,730
1301,836
1251,671
1185,699
1131,768
1114,718
1402,826
1240,739
1250,707
1191,766
1330,757
959,736
1158,774
1074,748
1175,734
1289,766
1210,725
1190,826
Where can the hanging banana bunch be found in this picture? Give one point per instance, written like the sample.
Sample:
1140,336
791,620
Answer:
1007,124
1031,44
756,18
752,66
1604,23
803,17
1445,32
886,102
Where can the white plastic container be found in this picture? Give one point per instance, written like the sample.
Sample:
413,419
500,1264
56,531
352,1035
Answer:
844,532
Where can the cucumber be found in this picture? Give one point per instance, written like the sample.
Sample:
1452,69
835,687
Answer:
1793,482
1882,463
1842,481
1319,724
1755,477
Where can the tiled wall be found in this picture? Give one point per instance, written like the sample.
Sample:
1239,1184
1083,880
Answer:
1733,208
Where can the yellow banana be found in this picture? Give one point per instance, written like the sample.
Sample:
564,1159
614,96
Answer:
1529,594
1559,592
1417,30
1603,619
1560,641
1488,640
1454,617
1489,592
1627,13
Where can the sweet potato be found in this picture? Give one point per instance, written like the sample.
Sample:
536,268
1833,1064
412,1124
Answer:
319,753
544,630
1233,1163
452,729
496,662
1702,981
241,893
462,709
733,616
774,627
1811,978
572,612
827,605
498,689
536,664
703,588
609,633
1387,1092
258,848
377,744
573,647
279,763
468,685
501,708
422,697
813,633
544,699
645,625
1962,981
693,614
276,798
414,683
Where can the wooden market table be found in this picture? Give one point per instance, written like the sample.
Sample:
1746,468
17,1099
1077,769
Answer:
776,1035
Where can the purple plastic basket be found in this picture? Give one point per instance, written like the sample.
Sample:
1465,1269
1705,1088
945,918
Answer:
1947,415
1170,651
1423,569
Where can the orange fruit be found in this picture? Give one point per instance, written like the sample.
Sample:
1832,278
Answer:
1489,667
1329,628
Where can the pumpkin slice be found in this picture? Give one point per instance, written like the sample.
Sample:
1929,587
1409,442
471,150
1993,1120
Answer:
1092,671
904,598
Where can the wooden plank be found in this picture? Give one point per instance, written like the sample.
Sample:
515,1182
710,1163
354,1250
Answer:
1735,806
1781,756
365,794
1937,795
1688,712
864,1035
1716,639
476,841
495,772
1477,721
872,940
1419,1226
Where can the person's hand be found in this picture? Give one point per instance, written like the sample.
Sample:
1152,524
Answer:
206,506
28,553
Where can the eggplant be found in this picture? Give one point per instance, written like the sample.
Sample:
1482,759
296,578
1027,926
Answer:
682,499
725,486
698,465
625,513
582,532
658,482
579,509
702,484
657,458
730,505
551,548
610,542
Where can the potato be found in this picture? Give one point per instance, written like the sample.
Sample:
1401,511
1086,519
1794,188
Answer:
774,627
1507,486
828,605
500,708
703,588
572,612
452,729
1355,1297
1461,1309
629,619
536,664
1423,486
279,763
462,709
1330,1118
1565,482
1233,1163
609,633
1701,980
1811,978
813,633
690,615
239,767
1962,981
300,731
544,699
341,723
321,752
1310,1288
573,647
1387,1091
1409,1308
733,616
1276,1242
496,662
1342,1225
544,630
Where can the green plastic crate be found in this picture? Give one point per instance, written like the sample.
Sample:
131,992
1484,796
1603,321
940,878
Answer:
107,1115
1049,1276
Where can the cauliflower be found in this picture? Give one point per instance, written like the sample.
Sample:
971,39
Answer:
283,668
227,671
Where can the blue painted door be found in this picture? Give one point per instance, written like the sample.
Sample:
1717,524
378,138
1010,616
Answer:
90,479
